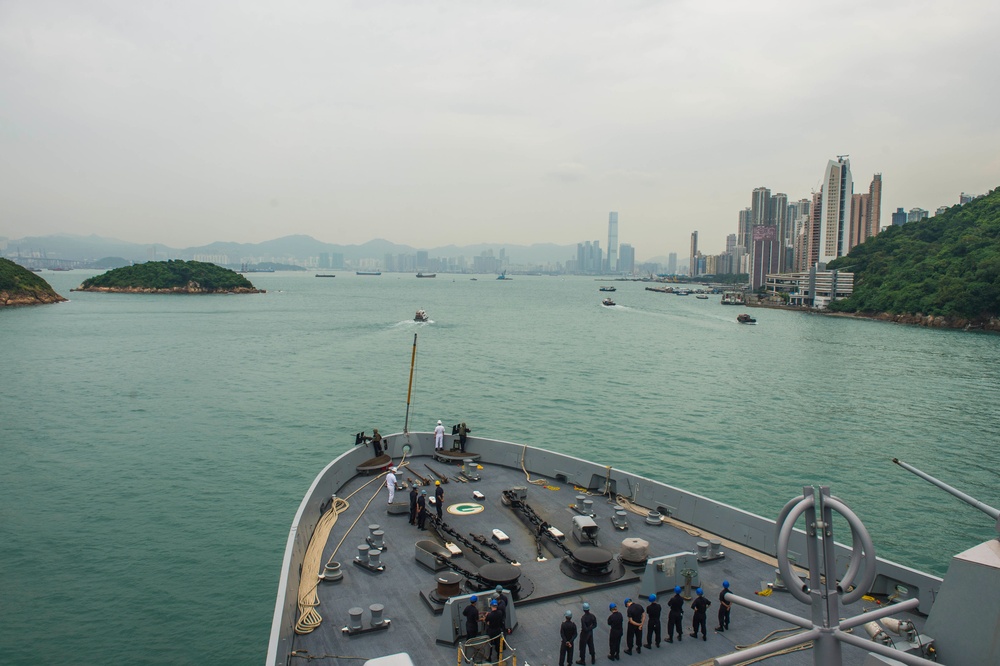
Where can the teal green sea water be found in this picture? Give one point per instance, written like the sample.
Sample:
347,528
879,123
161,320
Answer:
155,448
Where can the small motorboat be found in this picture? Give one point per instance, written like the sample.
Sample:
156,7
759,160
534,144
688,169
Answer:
421,316
608,302
745,319
703,297
608,289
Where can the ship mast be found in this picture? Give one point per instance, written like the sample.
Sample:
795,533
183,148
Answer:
409,389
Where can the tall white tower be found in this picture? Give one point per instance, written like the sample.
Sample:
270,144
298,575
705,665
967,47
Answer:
835,210
613,242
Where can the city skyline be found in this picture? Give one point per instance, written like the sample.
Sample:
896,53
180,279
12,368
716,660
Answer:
437,124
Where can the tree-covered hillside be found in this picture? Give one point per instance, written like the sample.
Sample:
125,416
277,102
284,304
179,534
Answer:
19,286
948,265
195,276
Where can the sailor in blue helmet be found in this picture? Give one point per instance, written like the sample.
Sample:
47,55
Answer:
587,625
567,634
653,622
700,606
724,607
615,621
494,627
471,613
635,615
675,617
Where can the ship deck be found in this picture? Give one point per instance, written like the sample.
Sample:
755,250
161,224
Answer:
406,587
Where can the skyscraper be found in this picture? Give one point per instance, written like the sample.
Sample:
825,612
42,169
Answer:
859,220
672,263
875,206
626,260
899,217
778,217
693,265
613,242
835,213
766,250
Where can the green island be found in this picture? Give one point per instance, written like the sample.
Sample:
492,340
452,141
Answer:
171,277
19,286
943,271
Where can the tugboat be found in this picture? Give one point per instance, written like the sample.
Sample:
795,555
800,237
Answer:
608,302
421,316
745,319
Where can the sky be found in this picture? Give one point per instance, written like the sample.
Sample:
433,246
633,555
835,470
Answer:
435,123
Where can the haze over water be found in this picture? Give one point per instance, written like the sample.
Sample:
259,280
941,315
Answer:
156,447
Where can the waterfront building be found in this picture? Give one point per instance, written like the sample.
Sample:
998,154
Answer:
613,242
835,213
899,217
814,288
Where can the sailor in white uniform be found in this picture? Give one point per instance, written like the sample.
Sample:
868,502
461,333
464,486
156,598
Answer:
439,437
390,483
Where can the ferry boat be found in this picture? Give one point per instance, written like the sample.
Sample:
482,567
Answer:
548,532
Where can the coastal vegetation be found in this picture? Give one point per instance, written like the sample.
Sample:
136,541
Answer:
190,277
19,286
947,266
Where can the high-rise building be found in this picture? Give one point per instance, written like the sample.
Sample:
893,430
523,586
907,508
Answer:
766,249
859,220
779,218
626,259
693,264
940,209
613,242
874,206
812,240
916,214
589,257
964,198
672,263
899,217
835,214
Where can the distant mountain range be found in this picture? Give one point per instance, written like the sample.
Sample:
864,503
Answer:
288,249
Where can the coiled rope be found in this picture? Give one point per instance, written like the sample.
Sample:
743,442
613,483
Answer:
308,598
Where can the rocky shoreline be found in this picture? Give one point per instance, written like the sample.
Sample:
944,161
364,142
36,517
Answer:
189,288
18,298
992,324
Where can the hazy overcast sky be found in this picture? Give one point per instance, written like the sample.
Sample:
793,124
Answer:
430,123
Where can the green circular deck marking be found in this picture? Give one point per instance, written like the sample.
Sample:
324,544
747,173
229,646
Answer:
465,508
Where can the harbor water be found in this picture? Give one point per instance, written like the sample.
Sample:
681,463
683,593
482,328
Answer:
155,448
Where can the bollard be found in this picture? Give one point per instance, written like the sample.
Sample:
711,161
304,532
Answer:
355,614
376,610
